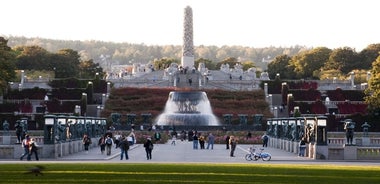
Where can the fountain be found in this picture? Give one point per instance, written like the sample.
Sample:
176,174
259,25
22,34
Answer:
187,108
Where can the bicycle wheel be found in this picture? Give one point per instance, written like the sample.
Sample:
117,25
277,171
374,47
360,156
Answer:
248,157
266,157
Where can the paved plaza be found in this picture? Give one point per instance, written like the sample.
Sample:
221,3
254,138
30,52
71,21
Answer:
183,152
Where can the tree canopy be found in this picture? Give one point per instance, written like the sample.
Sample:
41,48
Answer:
7,65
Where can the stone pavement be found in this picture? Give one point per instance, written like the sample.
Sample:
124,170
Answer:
182,152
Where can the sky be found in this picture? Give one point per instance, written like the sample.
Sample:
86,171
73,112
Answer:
251,23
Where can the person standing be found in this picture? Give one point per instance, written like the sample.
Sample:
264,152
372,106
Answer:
124,147
25,145
86,142
302,147
228,142
195,141
202,141
265,139
109,143
157,136
148,145
210,141
233,143
33,147
102,144
18,128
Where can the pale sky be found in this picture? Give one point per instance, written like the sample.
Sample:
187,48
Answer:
252,23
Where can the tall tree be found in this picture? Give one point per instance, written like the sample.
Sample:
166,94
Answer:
344,59
89,69
373,90
281,65
7,65
66,63
308,63
368,56
32,58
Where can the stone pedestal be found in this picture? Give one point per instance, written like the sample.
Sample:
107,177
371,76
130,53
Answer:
322,152
366,141
350,152
6,140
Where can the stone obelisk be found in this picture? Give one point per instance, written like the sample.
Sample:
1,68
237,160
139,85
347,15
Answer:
187,59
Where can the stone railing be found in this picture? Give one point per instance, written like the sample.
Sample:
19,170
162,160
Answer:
363,148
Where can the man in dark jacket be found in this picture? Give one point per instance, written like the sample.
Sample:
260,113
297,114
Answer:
148,145
124,147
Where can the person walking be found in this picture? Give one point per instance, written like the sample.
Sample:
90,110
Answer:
148,145
233,143
302,147
86,142
124,147
174,138
25,145
102,144
109,143
210,141
33,147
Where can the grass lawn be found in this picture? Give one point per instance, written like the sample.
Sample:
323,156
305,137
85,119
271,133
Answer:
54,173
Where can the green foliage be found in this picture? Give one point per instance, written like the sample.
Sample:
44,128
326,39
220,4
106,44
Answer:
163,63
281,65
373,90
7,65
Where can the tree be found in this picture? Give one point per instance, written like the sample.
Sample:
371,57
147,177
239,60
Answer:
88,69
368,56
281,65
7,65
66,63
32,58
164,63
373,91
247,65
344,59
229,60
308,63
208,63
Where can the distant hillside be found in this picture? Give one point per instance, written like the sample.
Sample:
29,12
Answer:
126,53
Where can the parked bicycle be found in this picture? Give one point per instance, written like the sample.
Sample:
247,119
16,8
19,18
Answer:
253,155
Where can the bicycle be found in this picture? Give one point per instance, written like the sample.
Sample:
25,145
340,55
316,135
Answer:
253,155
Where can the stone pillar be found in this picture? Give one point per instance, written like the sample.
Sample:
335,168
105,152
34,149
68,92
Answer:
187,60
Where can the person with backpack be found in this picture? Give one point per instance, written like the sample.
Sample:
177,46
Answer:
109,143
124,147
148,145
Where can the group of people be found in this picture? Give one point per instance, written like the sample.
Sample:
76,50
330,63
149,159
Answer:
123,143
198,138
30,147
